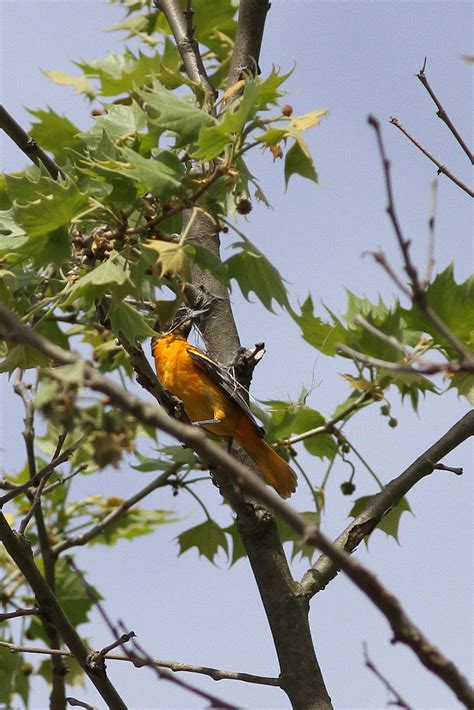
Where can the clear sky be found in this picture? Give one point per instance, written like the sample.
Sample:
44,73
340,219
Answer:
354,58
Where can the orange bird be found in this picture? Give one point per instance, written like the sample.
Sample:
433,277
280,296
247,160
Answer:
211,400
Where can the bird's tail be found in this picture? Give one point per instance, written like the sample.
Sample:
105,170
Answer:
273,468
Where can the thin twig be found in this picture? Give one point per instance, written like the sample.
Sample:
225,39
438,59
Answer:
430,261
139,662
442,169
34,611
398,700
74,702
418,294
125,638
458,470
98,529
427,368
441,112
328,427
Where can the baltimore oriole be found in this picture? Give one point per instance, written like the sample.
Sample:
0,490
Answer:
211,399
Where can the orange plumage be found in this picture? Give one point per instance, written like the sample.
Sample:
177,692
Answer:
211,398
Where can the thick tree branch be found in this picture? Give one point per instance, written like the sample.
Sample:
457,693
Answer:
186,44
248,41
28,145
404,630
324,569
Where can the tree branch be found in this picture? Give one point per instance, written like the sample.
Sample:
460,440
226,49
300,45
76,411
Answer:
324,569
186,44
248,40
397,698
442,169
175,666
98,529
441,112
28,145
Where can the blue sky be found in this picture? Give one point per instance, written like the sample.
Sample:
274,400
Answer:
354,58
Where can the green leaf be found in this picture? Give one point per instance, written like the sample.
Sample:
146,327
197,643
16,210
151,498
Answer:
214,139
289,534
55,133
298,161
162,175
171,258
464,383
453,304
121,121
171,112
12,678
322,335
127,320
267,89
391,521
207,537
50,210
80,84
254,273
133,523
120,74
23,358
110,276
238,549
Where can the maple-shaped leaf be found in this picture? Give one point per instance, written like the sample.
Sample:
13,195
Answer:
208,538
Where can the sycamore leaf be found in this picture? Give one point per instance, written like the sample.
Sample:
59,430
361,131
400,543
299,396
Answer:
121,73
67,374
127,320
133,523
289,534
464,383
12,680
23,358
298,161
108,276
453,303
171,112
268,89
55,133
238,549
207,537
254,273
322,335
80,84
162,175
391,521
308,120
171,258
213,139
121,121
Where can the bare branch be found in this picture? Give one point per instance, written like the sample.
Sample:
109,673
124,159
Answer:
74,702
430,261
418,294
441,112
398,700
442,169
98,529
34,611
328,427
28,145
140,662
441,467
324,569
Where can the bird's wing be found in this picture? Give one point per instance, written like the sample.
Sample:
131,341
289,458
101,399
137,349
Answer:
220,376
